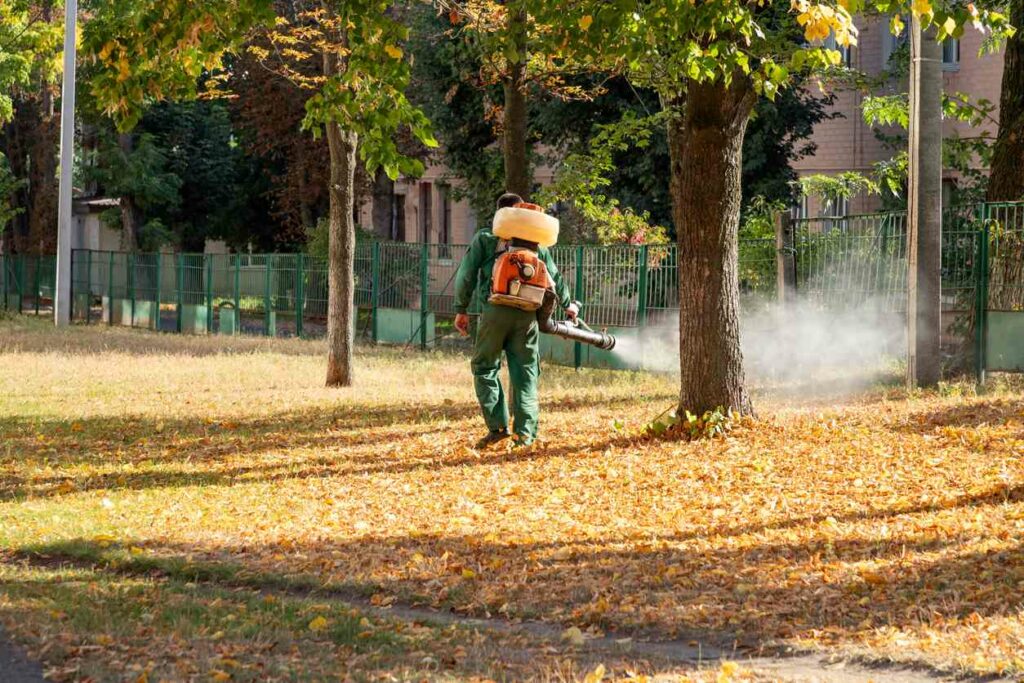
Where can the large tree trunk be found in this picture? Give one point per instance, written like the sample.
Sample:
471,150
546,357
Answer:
130,218
706,145
42,214
517,167
31,147
42,211
1006,180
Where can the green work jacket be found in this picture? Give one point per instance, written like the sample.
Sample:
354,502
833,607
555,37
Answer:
475,272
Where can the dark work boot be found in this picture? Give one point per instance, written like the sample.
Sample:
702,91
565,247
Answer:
493,437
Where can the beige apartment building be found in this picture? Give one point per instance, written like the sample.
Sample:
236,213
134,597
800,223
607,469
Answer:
423,209
848,144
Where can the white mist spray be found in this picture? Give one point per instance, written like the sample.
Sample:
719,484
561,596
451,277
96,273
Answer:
790,344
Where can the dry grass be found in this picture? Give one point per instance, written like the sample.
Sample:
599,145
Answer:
887,525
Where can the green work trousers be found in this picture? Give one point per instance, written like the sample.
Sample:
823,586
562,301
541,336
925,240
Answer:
514,332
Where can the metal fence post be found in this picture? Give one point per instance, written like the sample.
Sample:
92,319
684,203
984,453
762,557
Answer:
179,284
3,277
71,290
266,295
131,286
88,285
238,293
37,284
424,293
785,258
374,289
19,278
209,292
158,288
641,307
577,351
981,298
110,290
299,304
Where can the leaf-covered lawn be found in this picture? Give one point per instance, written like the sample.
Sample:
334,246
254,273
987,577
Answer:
884,525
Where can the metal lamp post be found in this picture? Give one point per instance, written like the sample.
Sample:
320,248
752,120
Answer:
62,293
924,208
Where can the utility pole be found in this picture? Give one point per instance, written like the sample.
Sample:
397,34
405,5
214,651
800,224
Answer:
62,293
924,239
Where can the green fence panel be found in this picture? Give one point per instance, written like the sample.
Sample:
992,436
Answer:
399,275
757,273
853,262
1005,223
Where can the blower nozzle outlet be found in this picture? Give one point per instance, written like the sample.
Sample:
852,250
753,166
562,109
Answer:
563,328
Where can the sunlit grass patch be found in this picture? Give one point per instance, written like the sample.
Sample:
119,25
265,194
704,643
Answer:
885,524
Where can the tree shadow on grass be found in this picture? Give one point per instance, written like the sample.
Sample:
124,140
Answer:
979,412
143,452
756,596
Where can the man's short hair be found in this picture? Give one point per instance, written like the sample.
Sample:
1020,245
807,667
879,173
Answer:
508,199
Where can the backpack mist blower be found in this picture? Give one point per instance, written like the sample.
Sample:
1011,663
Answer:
520,278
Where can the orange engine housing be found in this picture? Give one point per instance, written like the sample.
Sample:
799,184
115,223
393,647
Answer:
519,279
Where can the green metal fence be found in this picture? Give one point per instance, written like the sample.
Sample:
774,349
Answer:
853,262
406,291
395,283
27,283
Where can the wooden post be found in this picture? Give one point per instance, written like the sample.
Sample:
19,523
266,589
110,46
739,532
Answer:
785,259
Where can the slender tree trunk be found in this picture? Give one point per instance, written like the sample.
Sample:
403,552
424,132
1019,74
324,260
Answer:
341,248
129,211
706,149
517,167
1006,179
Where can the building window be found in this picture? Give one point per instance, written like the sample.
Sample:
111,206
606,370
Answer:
834,212
892,45
949,191
445,236
426,211
951,54
444,230
798,210
398,218
844,52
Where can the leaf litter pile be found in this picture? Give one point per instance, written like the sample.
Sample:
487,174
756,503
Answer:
185,485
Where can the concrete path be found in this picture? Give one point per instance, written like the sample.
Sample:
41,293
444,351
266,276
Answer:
15,667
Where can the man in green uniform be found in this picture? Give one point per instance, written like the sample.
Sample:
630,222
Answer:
503,329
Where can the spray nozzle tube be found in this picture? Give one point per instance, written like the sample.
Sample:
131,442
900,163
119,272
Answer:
580,331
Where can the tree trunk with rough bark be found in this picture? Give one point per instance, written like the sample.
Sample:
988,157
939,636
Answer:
129,211
42,211
341,248
706,145
1006,179
517,167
